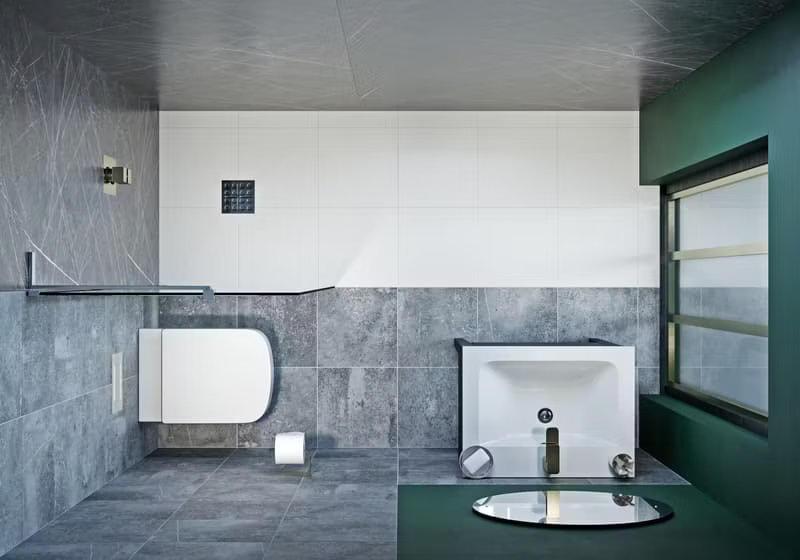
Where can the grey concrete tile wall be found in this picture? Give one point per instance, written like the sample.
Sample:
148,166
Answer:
358,327
11,306
71,447
357,407
411,330
290,324
40,433
59,115
11,489
293,408
517,314
649,380
197,435
647,328
191,312
429,319
428,413
607,313
62,335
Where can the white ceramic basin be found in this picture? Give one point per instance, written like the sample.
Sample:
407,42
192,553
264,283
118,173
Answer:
591,390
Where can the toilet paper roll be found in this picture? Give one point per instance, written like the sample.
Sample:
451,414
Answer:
290,448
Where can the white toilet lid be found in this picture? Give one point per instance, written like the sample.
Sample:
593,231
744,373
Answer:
215,376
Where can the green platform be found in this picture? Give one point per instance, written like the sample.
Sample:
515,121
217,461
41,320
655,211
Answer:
438,522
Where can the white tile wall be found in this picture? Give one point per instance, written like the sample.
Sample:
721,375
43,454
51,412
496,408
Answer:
517,247
277,250
357,167
280,119
192,162
437,247
417,198
283,162
437,119
518,119
197,246
357,119
437,167
358,247
597,247
598,167
517,167
195,119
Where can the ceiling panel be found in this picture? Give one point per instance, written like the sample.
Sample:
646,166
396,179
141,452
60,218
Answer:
400,54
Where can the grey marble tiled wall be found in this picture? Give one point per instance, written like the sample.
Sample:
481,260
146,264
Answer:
364,367
58,116
60,441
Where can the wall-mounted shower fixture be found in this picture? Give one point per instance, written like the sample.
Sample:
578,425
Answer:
117,175
114,175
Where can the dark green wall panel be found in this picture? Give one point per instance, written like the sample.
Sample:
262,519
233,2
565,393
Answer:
750,91
690,439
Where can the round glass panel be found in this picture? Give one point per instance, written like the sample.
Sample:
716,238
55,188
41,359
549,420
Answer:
573,509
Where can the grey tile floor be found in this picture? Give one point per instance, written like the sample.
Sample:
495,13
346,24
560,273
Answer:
232,504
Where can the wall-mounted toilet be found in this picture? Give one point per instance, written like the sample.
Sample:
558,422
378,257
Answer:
204,376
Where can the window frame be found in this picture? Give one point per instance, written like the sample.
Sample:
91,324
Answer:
671,258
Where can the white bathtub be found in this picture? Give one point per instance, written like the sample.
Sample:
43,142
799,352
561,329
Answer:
591,390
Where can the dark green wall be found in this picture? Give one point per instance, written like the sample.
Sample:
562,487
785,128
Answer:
750,91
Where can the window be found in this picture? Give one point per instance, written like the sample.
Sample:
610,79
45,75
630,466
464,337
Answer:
716,295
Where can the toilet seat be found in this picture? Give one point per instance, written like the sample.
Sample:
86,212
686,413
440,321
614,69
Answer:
204,376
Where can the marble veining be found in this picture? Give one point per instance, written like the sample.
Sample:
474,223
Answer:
58,115
384,54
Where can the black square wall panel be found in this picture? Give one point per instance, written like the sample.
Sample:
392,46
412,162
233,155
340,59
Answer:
238,197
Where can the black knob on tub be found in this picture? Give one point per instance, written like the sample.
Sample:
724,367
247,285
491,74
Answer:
545,415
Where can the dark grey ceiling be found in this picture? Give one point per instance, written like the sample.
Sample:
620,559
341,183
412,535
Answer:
400,54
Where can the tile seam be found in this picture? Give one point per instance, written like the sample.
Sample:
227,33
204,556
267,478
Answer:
182,503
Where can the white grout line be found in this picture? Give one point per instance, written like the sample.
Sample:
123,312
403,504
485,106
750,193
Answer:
182,504
316,295
558,214
58,403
